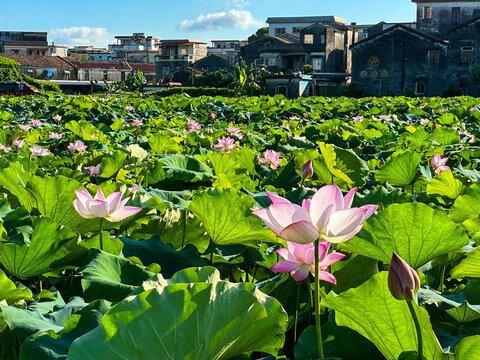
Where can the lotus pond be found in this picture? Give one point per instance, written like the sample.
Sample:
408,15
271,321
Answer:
157,228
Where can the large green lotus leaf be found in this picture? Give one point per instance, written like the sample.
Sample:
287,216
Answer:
163,144
10,293
187,168
400,170
338,341
445,184
416,232
445,136
156,251
202,321
53,198
468,348
112,163
111,277
231,169
456,305
14,179
28,322
373,312
227,217
51,248
466,209
468,267
50,346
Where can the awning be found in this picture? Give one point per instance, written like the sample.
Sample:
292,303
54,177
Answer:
49,73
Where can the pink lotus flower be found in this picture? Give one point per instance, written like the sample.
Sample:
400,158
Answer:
212,115
421,106
57,117
473,109
300,261
93,137
403,281
357,119
328,215
137,122
54,135
37,123
439,163
225,143
24,127
133,189
424,121
271,158
92,170
19,143
5,148
111,208
386,118
78,146
306,172
39,151
129,108
293,117
192,125
234,131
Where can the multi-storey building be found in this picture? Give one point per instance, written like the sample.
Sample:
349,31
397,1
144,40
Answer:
89,52
24,42
230,49
292,25
178,53
135,48
437,17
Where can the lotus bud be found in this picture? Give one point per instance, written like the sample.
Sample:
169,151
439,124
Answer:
307,170
403,281
434,126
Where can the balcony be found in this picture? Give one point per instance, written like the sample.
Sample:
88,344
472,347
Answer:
26,43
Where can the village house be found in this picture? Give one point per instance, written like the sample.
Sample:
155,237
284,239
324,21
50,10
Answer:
437,17
88,52
44,67
24,42
229,49
135,48
178,53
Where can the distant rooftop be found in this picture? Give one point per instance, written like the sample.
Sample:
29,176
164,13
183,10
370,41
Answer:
181,42
305,19
441,1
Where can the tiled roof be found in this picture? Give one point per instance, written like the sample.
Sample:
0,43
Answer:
145,68
304,19
39,61
99,65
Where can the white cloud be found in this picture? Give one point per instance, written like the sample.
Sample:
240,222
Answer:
82,35
240,4
226,19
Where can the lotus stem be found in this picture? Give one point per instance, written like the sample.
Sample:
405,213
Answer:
318,326
296,314
419,330
101,233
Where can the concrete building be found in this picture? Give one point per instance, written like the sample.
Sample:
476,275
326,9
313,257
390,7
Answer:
178,53
437,17
212,63
135,48
24,42
89,52
229,48
44,67
400,59
292,25
56,50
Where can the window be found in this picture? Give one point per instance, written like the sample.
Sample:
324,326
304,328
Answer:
308,39
87,75
279,31
433,57
467,52
166,71
463,81
455,15
105,75
271,61
282,90
420,87
256,62
317,64
295,30
427,12
322,39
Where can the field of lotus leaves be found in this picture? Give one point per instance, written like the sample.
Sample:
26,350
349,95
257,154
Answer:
135,227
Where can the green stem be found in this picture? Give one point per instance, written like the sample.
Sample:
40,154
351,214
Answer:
296,314
310,297
442,277
318,326
101,233
419,330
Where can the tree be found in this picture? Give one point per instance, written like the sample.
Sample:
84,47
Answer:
249,80
262,32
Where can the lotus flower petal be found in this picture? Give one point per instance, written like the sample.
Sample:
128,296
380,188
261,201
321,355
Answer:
98,208
284,266
325,202
301,273
302,232
122,213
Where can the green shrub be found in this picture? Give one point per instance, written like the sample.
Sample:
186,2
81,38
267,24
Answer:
194,92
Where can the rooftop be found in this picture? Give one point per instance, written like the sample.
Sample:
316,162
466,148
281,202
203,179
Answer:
181,42
39,61
305,19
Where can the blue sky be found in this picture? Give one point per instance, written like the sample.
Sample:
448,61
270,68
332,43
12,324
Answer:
96,22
